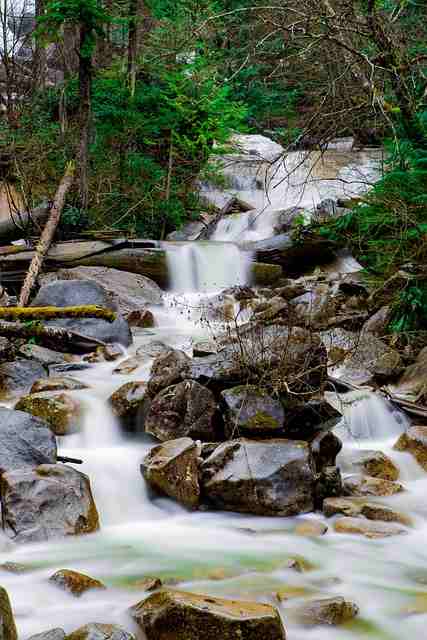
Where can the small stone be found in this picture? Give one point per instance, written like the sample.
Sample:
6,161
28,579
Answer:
414,441
343,506
148,584
129,404
311,529
43,355
52,634
375,511
128,366
197,617
204,348
331,611
15,567
57,383
105,353
368,528
289,592
74,582
358,485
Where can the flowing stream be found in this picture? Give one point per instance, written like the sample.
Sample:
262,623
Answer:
217,553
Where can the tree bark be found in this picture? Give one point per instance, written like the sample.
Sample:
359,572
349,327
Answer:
51,313
85,94
136,17
54,337
47,235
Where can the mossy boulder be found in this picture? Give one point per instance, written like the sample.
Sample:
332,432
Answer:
250,410
186,409
414,441
45,502
74,582
7,621
172,469
59,410
129,404
373,463
178,615
98,631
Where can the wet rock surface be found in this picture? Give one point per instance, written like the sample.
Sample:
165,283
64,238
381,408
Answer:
98,631
250,410
57,383
414,441
274,477
170,367
197,617
25,441
52,634
372,463
186,409
326,611
172,469
59,410
8,627
359,486
64,293
368,528
129,404
17,377
49,501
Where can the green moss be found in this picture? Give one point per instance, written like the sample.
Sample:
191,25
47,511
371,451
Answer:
263,421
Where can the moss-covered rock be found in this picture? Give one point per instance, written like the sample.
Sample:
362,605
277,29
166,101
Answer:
330,611
177,615
58,383
354,507
59,410
414,441
7,621
98,631
129,404
373,463
250,410
74,582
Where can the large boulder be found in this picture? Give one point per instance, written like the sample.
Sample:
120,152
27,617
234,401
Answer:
265,477
131,291
179,615
16,377
65,293
7,621
251,411
129,404
98,631
59,410
49,501
25,441
168,368
172,468
184,409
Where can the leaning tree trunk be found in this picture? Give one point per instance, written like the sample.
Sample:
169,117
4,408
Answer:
47,235
85,94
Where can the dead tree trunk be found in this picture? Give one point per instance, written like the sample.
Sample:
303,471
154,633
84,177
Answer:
47,235
85,94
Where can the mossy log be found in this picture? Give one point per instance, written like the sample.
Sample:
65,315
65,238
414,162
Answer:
53,337
51,313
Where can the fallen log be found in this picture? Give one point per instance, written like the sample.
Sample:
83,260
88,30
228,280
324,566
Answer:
51,313
46,237
53,337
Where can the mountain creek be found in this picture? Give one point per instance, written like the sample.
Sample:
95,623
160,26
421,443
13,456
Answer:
228,487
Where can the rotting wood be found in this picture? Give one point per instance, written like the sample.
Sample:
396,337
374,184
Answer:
54,337
51,313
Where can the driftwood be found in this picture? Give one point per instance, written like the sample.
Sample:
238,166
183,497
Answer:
50,313
54,337
46,237
66,459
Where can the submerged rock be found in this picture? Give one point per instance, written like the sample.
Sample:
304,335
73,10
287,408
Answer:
58,383
17,377
52,634
172,469
196,617
25,441
129,404
414,441
330,611
373,463
186,409
8,628
128,366
311,528
250,410
60,411
354,507
358,485
74,582
64,293
98,631
368,528
47,502
168,368
272,477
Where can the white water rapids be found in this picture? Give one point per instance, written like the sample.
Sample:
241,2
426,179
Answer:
217,553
